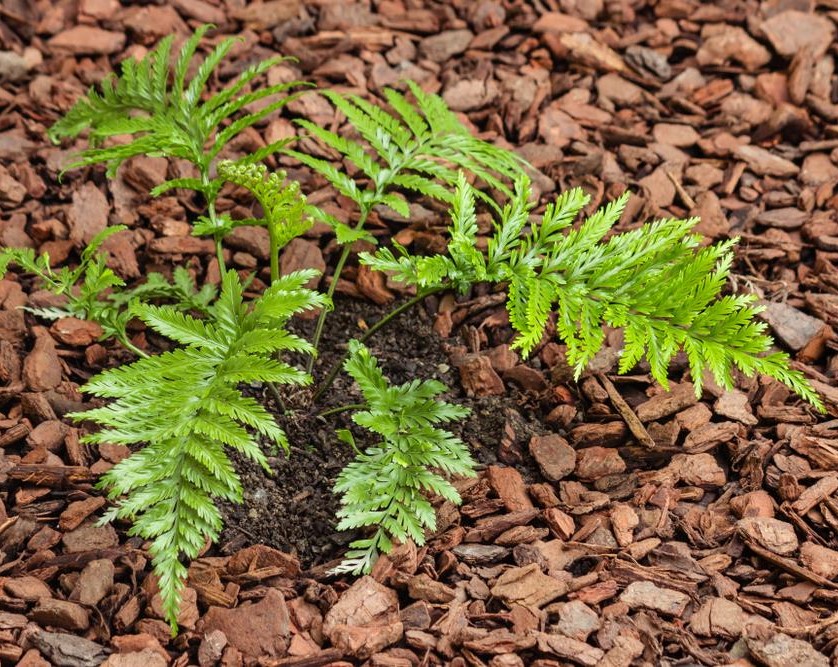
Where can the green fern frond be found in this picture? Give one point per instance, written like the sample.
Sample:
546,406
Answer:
386,486
185,409
655,282
165,112
412,149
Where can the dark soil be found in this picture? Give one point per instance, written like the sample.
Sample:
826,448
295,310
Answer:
300,518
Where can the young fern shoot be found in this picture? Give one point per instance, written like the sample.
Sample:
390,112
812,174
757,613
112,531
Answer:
656,283
385,487
417,148
283,206
185,407
166,115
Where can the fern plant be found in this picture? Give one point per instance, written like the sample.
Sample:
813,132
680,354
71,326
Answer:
95,293
417,148
165,114
385,487
656,283
185,407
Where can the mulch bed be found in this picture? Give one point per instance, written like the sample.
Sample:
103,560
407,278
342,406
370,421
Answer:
613,523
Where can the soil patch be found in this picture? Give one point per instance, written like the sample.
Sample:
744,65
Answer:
293,509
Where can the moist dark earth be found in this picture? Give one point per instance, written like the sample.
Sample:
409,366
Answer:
294,508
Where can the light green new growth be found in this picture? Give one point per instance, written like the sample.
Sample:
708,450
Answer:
656,283
283,206
419,148
168,114
184,406
385,487
165,113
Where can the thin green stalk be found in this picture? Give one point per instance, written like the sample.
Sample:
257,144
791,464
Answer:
341,408
213,216
274,252
321,321
219,255
130,346
335,369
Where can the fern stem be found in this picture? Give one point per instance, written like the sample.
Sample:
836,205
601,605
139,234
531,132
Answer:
126,343
274,251
321,321
213,216
341,408
219,255
335,369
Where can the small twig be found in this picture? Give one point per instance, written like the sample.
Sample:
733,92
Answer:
790,566
683,194
8,523
810,629
635,425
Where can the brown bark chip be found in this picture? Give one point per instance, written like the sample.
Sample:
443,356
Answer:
94,582
42,366
509,485
60,614
528,586
646,595
718,616
593,463
88,214
664,404
257,630
819,559
773,534
791,326
364,620
570,649
82,39
784,651
78,511
478,377
144,658
554,456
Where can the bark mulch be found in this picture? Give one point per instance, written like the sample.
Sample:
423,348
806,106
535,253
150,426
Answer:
612,523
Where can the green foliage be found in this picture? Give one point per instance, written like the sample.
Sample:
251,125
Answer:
418,148
284,207
385,487
165,113
656,283
180,292
185,408
94,292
